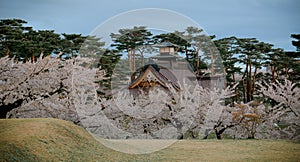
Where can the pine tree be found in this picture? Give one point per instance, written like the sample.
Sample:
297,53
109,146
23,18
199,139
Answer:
70,44
12,36
252,53
39,42
295,56
129,40
228,51
108,62
296,42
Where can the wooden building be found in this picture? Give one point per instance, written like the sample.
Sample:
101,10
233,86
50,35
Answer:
165,69
168,68
151,76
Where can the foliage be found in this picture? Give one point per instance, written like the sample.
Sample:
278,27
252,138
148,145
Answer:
24,43
42,89
71,43
34,84
286,93
129,41
260,120
175,38
161,114
12,31
201,44
240,120
285,115
296,42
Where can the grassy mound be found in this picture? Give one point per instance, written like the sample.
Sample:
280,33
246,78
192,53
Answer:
51,140
58,140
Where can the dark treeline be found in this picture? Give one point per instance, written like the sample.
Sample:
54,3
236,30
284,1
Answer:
244,60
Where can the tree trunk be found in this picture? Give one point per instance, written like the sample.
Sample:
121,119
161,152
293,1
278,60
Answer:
244,91
221,131
142,56
273,72
212,62
287,72
7,108
196,56
7,50
249,80
32,58
253,83
143,59
134,63
243,83
235,89
129,59
186,51
197,63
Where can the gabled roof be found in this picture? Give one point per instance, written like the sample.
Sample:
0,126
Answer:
162,75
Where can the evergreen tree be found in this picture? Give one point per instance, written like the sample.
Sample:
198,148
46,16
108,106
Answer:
184,45
12,36
198,44
252,54
108,62
70,44
39,42
24,43
296,42
92,48
197,39
175,38
129,40
296,57
228,51
275,63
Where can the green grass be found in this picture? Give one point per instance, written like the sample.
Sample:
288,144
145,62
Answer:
58,140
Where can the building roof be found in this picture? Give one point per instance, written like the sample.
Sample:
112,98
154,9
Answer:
161,75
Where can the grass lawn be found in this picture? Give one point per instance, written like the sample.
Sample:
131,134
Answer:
58,140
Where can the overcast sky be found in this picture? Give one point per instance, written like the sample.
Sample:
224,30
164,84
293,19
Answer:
270,21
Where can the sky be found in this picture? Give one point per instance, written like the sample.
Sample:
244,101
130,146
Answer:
271,21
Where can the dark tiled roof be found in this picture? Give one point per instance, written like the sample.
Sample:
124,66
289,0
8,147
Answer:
170,76
164,75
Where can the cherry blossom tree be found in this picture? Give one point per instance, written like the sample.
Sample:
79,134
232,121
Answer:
39,89
67,89
283,119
